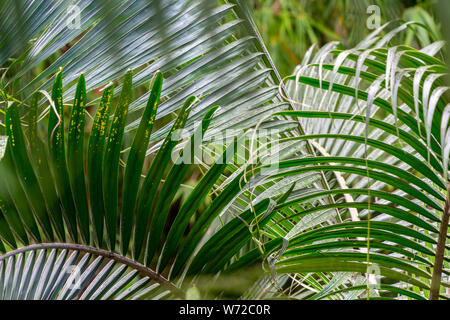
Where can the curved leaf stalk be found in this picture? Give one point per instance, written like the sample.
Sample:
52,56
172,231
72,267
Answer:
103,253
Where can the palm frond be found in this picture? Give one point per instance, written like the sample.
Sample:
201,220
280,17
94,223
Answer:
61,271
377,117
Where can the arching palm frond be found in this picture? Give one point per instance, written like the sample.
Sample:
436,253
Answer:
357,185
378,119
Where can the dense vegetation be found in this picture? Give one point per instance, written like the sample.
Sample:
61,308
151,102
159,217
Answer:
151,150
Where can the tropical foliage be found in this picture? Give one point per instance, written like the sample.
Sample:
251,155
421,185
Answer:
291,27
221,180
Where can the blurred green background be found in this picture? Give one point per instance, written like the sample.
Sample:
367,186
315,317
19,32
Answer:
290,27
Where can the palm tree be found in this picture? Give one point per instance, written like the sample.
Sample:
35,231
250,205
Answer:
353,204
